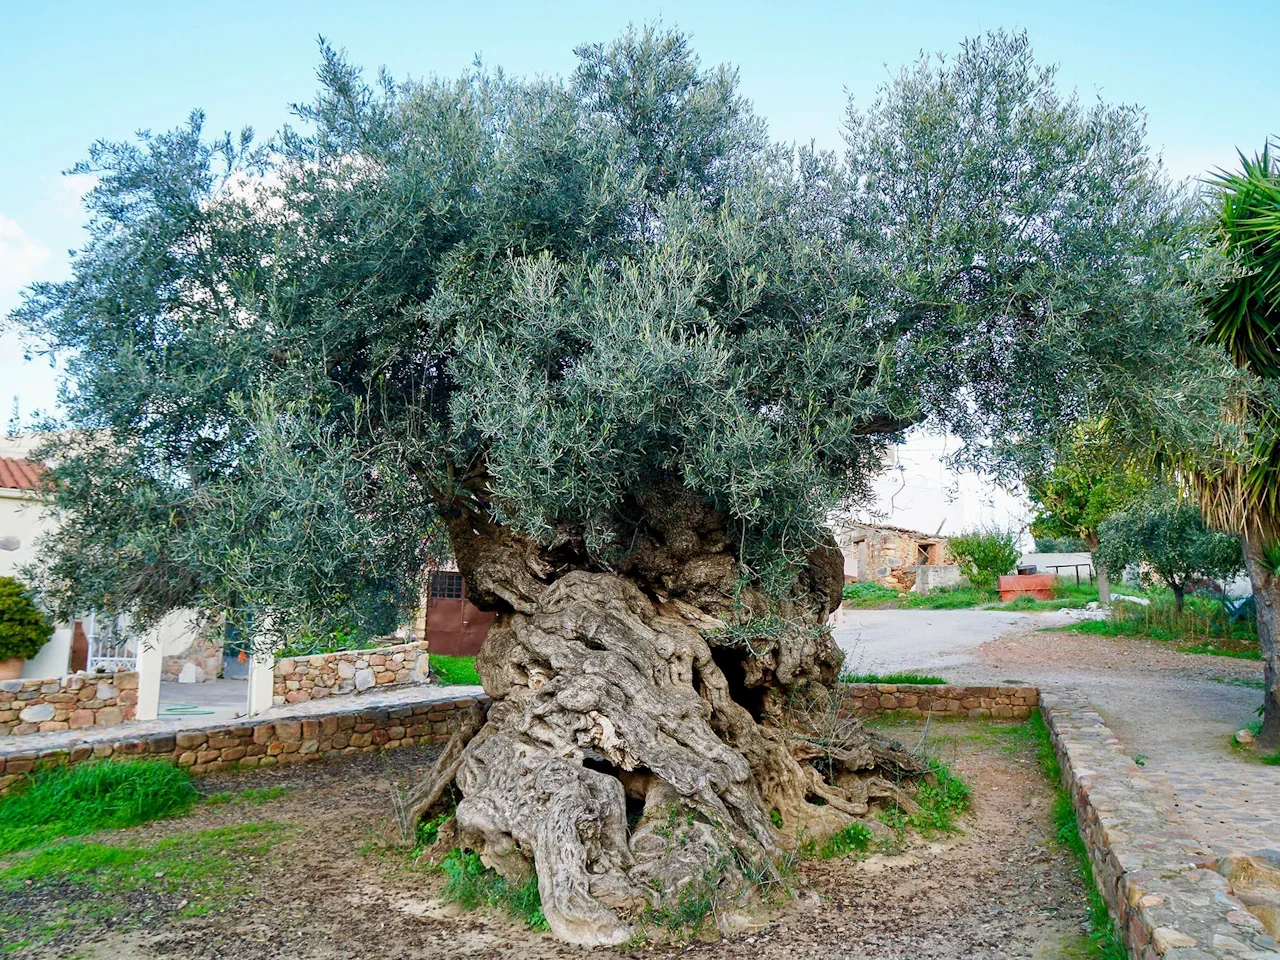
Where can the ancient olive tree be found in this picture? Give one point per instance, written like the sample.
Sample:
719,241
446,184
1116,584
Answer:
618,353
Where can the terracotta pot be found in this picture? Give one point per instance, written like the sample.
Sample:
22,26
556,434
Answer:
11,669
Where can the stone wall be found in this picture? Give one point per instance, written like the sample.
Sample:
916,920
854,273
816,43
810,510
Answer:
298,679
205,656
261,743
941,700
67,703
1161,885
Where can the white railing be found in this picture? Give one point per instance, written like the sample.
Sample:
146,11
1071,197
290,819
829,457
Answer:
108,649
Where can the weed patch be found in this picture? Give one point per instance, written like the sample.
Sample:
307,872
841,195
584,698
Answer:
854,838
472,885
71,801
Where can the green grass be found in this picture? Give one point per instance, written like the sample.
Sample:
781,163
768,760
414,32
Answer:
1185,638
472,885
871,594
107,795
1034,733
454,671
93,881
255,795
901,676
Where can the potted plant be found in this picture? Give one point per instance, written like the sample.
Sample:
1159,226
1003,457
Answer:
24,629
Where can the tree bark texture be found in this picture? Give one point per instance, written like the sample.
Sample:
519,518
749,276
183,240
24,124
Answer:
645,733
1266,594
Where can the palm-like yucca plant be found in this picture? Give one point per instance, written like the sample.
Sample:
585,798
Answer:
1241,490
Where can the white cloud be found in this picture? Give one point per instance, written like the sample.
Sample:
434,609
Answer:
68,191
22,258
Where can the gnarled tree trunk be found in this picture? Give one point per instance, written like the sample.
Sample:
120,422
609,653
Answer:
652,724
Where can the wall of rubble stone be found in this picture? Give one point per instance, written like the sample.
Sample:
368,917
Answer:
298,679
919,700
262,743
67,703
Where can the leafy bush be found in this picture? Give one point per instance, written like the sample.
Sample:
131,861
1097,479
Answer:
454,671
24,629
68,801
983,556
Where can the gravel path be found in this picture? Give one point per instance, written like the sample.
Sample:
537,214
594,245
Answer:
885,640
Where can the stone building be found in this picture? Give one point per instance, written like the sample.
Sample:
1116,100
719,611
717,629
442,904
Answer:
894,557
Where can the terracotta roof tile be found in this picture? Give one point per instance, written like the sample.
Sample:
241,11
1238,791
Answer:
20,474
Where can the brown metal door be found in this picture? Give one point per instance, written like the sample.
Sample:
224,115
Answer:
444,613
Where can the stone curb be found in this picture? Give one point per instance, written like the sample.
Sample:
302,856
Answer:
1160,884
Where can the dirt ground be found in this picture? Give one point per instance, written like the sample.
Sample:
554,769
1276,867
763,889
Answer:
328,888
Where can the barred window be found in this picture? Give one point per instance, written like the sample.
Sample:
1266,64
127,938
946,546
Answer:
446,586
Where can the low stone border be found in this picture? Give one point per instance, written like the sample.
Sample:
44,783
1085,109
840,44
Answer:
1160,884
299,679
67,703
349,728
920,700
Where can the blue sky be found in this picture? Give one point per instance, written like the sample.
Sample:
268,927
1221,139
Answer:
74,72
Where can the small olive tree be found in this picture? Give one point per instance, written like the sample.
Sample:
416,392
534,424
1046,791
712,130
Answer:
1169,544
984,556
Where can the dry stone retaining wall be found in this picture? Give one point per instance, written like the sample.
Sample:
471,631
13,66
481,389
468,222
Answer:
259,743
921,700
299,679
67,703
1161,885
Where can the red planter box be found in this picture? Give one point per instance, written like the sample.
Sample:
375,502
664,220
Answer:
1038,585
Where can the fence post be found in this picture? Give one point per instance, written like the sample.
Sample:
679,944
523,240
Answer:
262,664
150,663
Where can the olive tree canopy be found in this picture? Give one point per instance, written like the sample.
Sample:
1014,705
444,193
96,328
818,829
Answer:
619,353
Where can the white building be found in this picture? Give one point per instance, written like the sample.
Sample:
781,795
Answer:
86,643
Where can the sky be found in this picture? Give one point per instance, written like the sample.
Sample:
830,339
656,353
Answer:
75,72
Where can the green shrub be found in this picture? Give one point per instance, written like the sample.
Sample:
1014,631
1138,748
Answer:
68,801
24,629
454,671
983,556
